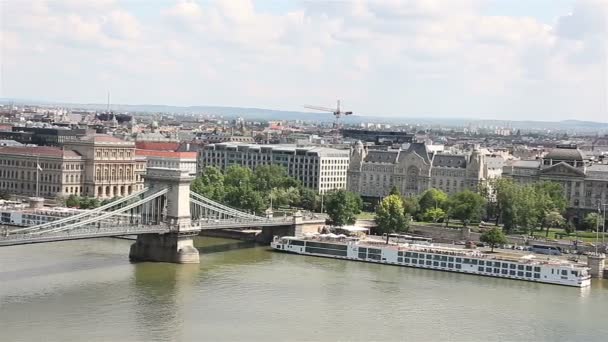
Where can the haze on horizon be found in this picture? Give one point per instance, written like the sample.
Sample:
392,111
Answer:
486,59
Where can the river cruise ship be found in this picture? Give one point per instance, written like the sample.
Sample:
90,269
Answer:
516,266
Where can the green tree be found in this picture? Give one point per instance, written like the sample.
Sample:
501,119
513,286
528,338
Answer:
246,198
553,219
432,198
395,191
493,237
592,220
390,217
309,199
342,207
434,214
569,228
467,206
238,176
210,184
506,193
268,177
72,201
410,205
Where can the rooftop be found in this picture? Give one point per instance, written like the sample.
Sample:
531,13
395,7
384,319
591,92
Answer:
562,153
43,151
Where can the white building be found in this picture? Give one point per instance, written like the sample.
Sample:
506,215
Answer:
319,168
185,161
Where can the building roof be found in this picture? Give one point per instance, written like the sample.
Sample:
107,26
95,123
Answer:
165,154
43,151
321,151
526,164
157,145
449,160
421,150
564,154
375,156
103,138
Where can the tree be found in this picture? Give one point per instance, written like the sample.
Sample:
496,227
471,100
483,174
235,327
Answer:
467,206
342,207
72,201
432,198
268,177
434,214
592,220
210,184
395,191
309,199
553,219
493,237
238,176
390,217
410,205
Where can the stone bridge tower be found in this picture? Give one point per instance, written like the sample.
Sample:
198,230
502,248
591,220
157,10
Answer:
176,246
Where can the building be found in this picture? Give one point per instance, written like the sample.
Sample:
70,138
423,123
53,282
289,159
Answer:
60,171
55,136
169,159
95,166
111,167
319,168
373,173
585,183
378,137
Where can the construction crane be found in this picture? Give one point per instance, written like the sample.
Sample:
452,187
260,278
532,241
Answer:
335,111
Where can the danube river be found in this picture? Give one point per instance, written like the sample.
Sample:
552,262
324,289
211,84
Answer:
88,291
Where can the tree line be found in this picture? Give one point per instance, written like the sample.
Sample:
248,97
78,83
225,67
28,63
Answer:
254,190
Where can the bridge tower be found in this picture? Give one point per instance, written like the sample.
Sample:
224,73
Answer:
177,246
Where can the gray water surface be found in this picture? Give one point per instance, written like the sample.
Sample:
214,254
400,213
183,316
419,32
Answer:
88,291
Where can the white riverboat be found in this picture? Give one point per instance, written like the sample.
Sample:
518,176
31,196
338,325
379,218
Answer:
549,270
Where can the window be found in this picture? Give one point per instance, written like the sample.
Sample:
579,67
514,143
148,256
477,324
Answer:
489,269
520,267
512,266
450,265
443,264
520,273
536,269
406,260
458,266
480,269
528,274
497,270
512,272
481,262
458,260
435,263
429,262
564,272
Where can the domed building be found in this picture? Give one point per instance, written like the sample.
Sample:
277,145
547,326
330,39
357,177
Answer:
585,183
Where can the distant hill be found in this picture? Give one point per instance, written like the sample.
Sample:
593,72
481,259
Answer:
272,114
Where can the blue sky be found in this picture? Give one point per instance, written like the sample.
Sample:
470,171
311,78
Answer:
488,59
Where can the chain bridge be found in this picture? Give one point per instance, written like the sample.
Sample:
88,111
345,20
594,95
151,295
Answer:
165,216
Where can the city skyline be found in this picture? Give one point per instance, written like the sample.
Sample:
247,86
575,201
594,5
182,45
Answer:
456,59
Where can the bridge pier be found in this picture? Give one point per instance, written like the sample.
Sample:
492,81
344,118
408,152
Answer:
172,247
178,245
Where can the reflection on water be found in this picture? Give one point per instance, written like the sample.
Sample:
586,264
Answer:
161,292
88,290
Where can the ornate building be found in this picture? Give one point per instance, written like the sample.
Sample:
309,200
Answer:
585,183
94,165
111,168
372,173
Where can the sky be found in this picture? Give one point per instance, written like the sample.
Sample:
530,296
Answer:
486,59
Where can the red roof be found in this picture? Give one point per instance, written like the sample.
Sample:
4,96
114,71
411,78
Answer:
43,151
157,145
165,154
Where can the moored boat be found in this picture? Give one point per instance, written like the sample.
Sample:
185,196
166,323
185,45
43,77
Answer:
516,266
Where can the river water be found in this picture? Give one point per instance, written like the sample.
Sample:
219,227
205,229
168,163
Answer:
89,291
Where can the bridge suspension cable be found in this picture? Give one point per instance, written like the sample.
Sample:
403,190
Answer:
81,215
212,205
104,215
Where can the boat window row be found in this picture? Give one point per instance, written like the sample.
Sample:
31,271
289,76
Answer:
326,245
325,251
469,261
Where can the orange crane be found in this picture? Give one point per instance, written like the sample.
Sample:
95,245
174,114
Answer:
335,111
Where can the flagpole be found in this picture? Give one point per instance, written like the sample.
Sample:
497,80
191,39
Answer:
37,176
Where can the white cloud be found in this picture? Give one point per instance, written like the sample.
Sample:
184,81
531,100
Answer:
391,56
